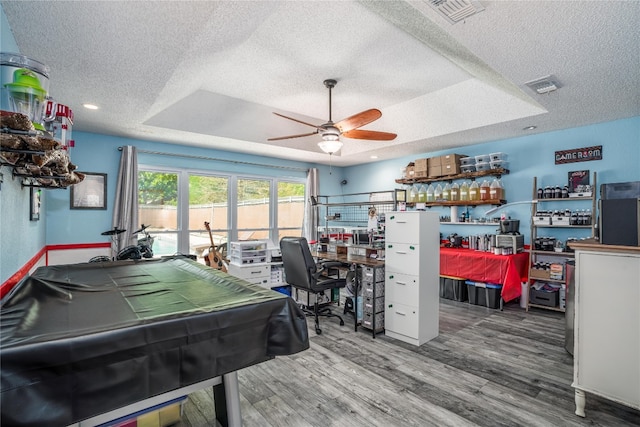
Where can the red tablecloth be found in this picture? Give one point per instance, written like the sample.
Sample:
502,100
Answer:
508,270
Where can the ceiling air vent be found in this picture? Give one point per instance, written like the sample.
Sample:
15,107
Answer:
544,84
456,10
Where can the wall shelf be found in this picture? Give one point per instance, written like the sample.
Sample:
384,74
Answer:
468,175
492,224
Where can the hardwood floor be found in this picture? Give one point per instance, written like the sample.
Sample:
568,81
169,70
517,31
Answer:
486,368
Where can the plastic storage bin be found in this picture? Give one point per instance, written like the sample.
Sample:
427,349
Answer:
483,166
484,294
541,297
494,157
453,288
283,289
484,158
249,252
468,168
496,164
467,161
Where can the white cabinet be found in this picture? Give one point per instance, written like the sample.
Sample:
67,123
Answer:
607,324
412,271
258,274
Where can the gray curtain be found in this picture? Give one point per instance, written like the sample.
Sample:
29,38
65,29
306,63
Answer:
125,208
310,222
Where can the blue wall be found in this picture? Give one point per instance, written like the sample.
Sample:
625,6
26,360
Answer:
20,238
528,156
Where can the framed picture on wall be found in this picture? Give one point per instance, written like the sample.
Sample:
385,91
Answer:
34,210
91,193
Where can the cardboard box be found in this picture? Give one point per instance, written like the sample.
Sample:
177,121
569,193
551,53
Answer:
421,164
435,171
435,161
409,171
539,274
421,168
451,159
450,169
556,271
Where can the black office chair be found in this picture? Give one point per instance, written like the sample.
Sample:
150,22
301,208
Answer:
302,272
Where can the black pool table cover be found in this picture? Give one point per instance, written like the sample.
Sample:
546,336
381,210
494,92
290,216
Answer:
82,339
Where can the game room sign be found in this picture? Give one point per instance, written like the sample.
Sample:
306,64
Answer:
579,155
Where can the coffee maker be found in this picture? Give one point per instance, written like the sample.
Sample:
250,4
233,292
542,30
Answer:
509,235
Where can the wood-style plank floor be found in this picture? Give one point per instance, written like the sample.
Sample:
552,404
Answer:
486,368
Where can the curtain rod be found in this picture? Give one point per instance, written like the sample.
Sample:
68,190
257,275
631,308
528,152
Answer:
220,160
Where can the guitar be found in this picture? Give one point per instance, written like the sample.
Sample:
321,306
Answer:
214,259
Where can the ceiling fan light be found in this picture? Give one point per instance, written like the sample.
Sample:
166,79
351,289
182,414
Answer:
330,146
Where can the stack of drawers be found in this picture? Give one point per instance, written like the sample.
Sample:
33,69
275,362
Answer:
248,252
373,298
249,261
412,267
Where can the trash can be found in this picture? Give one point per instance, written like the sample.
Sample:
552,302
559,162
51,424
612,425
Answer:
569,311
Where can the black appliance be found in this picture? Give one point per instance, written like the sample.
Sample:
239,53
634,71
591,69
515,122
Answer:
620,213
620,222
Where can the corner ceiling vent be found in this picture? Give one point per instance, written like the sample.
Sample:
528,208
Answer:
456,10
544,84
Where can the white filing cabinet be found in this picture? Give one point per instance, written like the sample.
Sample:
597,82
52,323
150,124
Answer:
258,274
606,359
412,276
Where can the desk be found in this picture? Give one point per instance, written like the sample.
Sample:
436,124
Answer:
84,339
349,259
508,270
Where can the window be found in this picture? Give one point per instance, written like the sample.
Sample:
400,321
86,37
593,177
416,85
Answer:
208,207
158,208
290,208
177,204
253,212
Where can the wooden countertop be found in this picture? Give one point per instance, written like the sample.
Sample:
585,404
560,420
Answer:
594,245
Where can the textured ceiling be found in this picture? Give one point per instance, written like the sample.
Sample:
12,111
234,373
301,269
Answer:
211,73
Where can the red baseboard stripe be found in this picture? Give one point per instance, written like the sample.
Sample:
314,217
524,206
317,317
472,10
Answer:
13,280
77,246
18,275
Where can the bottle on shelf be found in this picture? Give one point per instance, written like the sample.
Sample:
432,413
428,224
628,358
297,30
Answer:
446,192
557,192
474,191
437,193
413,194
431,194
455,192
485,190
464,191
495,191
422,194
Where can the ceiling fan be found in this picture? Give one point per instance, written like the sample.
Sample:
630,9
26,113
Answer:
348,127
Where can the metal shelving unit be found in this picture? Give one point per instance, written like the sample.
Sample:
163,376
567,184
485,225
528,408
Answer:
353,209
534,255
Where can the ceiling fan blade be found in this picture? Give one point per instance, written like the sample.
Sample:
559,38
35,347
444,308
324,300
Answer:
358,120
369,134
293,136
299,121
